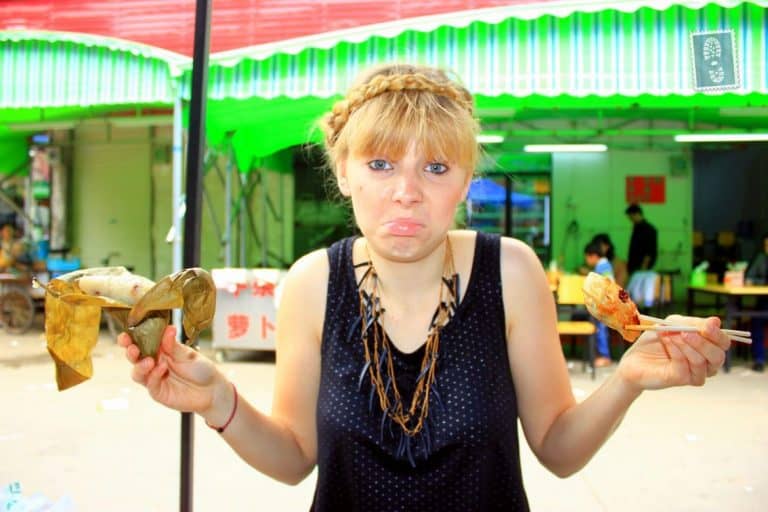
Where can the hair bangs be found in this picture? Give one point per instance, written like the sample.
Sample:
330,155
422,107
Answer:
388,124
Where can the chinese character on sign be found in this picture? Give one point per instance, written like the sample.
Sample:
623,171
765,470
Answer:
263,289
238,287
266,326
645,189
238,325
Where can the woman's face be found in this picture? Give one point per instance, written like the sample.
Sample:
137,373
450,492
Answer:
403,207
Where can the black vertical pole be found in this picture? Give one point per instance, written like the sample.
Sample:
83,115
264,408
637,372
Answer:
507,205
192,217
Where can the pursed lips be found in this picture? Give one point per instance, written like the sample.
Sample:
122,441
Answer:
403,226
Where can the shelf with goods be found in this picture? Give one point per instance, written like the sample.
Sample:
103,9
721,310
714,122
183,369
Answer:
516,206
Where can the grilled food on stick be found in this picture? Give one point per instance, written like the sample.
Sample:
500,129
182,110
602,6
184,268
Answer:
611,304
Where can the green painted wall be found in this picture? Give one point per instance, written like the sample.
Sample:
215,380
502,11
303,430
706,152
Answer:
13,152
121,202
111,200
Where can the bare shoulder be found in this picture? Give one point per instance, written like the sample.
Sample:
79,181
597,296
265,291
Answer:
304,289
518,261
523,281
311,265
310,274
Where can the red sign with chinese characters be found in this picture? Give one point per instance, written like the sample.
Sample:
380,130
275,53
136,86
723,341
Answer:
239,325
646,189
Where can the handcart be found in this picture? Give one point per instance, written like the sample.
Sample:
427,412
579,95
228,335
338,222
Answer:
20,301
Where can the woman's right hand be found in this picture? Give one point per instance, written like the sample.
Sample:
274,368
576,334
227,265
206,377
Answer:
179,377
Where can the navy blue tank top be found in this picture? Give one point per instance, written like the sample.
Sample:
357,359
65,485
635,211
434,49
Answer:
467,456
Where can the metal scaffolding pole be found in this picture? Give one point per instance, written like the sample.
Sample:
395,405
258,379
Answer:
192,217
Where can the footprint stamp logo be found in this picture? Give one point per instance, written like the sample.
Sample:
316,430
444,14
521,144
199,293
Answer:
713,55
712,52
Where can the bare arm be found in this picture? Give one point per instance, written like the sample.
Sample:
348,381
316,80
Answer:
284,445
565,435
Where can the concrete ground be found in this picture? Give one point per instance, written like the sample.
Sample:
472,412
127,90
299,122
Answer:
108,447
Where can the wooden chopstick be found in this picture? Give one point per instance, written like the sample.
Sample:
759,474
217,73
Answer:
680,328
662,321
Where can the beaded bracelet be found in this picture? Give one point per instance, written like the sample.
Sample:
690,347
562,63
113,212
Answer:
231,415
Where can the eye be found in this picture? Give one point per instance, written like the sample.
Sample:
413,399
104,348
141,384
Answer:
379,165
436,168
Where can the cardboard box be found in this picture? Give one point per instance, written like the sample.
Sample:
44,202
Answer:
733,278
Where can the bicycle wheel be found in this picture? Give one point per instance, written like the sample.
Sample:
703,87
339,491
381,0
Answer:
17,311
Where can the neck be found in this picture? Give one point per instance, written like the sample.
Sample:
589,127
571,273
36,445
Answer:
409,278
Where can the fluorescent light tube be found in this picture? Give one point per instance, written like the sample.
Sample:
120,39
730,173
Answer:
565,148
721,137
490,138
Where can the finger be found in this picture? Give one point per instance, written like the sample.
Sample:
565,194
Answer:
709,350
168,341
155,377
697,363
141,369
132,354
124,340
711,330
673,351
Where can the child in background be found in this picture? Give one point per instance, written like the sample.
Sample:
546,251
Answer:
597,261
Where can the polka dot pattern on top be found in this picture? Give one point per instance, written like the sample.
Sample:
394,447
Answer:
469,459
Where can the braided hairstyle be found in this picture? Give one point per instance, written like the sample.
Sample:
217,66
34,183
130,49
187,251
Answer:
392,106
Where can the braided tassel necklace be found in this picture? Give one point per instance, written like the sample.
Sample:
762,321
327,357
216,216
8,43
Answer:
379,364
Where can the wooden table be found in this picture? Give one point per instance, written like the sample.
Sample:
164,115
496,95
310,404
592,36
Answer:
733,296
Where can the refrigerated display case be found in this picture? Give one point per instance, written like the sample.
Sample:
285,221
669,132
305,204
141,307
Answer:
515,205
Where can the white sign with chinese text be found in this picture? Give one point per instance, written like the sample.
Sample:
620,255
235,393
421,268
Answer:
246,307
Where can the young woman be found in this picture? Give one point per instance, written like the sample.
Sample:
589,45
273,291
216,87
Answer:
406,356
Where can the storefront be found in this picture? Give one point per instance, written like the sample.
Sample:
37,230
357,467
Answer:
618,74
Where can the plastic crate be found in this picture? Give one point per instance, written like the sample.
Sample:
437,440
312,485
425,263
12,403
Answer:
59,266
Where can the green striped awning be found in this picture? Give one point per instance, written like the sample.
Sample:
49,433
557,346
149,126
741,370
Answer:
590,48
59,69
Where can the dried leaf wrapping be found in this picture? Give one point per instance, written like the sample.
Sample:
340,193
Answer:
72,316
65,322
191,289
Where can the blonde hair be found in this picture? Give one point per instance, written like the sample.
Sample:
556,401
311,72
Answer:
391,106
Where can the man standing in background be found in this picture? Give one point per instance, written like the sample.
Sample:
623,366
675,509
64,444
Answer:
643,246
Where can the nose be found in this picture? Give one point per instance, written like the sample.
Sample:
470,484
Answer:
407,189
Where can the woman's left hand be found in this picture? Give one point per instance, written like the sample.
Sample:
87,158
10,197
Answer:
664,359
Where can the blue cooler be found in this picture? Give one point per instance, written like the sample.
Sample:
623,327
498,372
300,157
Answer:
59,266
